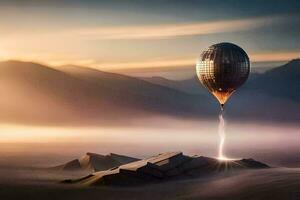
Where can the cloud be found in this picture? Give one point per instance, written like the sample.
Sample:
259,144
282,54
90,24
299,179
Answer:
170,30
274,56
191,61
154,63
71,46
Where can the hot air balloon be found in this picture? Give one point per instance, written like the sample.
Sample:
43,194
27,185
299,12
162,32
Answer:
222,68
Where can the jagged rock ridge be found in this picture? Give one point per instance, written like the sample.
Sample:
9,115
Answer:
96,162
166,166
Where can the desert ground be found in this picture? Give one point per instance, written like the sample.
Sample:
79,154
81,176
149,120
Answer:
276,183
24,163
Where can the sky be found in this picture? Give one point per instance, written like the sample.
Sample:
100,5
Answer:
137,34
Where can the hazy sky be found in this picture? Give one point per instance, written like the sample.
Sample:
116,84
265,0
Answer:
116,34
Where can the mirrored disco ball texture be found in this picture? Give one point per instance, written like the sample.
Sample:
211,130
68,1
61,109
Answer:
222,68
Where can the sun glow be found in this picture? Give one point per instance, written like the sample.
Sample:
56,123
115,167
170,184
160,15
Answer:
224,158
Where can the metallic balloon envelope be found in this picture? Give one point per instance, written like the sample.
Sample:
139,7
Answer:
222,68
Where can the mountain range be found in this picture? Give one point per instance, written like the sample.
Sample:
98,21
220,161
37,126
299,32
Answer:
73,95
38,94
273,95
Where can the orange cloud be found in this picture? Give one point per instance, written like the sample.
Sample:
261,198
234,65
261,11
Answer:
155,63
274,56
170,30
190,61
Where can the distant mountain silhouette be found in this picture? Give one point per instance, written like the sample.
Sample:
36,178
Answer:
163,167
282,81
73,95
95,162
273,95
192,86
34,93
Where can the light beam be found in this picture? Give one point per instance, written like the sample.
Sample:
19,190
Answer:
222,136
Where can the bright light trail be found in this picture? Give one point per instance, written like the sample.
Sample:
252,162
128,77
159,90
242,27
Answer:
222,136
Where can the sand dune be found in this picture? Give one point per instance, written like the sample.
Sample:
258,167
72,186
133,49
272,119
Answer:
271,183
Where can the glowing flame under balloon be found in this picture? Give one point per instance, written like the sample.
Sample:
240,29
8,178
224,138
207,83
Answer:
222,97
